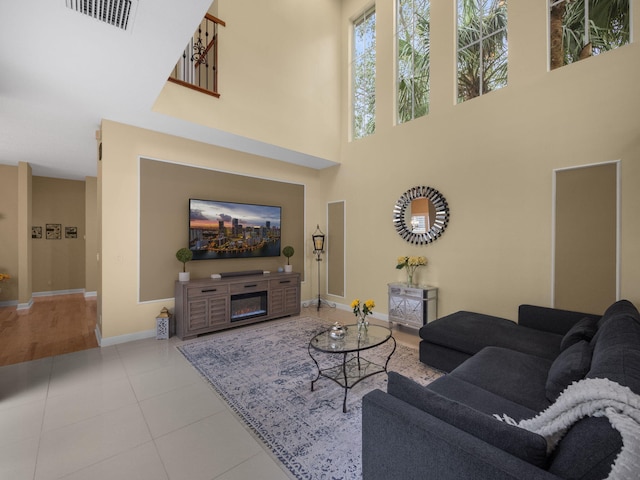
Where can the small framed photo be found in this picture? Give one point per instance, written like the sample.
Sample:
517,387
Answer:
54,231
71,232
36,232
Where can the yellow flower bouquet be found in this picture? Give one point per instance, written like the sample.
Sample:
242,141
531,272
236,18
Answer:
4,276
411,264
361,311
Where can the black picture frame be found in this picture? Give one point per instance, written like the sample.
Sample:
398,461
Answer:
53,231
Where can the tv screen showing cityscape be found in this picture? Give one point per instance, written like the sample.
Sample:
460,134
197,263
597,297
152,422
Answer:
233,230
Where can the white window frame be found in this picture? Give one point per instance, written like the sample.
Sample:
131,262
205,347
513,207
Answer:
366,14
479,42
413,71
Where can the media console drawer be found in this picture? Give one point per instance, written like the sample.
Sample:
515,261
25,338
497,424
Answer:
249,286
206,305
208,290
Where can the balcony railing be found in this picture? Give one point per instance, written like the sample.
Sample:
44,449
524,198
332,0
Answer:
198,66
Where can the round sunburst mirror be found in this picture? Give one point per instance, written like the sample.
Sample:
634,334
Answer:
421,215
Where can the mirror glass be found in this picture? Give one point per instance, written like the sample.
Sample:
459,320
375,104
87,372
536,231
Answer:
421,215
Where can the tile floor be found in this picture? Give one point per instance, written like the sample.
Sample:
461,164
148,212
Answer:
131,411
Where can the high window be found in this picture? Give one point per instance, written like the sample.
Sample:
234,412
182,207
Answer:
582,28
412,50
482,47
363,74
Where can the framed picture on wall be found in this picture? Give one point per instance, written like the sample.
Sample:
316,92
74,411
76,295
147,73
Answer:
36,232
54,231
71,232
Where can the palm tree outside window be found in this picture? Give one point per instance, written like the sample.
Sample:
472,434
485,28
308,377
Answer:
482,47
363,75
580,29
413,49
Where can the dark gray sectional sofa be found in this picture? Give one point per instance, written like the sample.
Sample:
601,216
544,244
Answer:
447,430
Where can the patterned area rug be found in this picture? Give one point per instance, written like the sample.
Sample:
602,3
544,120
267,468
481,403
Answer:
264,373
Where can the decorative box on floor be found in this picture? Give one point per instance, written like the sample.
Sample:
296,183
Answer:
164,325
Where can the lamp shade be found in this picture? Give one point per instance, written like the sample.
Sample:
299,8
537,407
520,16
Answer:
318,240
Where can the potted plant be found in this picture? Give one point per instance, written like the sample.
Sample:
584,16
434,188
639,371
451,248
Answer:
288,252
184,255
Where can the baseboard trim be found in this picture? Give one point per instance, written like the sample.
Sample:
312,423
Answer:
341,306
55,293
129,337
25,306
90,294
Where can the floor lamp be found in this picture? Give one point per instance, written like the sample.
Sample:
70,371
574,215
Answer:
318,249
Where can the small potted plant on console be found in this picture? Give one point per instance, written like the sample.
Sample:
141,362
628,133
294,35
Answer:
288,252
184,255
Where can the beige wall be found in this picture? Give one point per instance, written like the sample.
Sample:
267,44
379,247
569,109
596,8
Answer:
9,231
40,265
279,77
492,158
120,312
58,265
165,190
91,235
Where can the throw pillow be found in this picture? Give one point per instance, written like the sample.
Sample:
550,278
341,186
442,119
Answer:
585,329
570,366
517,441
620,308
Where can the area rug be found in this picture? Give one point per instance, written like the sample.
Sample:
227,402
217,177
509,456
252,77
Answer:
264,373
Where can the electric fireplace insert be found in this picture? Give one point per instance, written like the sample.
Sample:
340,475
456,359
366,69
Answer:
248,305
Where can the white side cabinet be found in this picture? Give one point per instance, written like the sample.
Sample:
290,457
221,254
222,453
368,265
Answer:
413,305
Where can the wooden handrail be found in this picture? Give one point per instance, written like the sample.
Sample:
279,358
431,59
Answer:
214,19
193,87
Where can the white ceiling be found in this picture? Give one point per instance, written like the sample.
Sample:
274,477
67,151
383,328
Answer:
62,72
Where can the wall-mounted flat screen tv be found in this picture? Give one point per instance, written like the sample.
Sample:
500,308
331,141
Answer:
233,230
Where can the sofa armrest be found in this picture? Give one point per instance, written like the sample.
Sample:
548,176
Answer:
548,319
402,441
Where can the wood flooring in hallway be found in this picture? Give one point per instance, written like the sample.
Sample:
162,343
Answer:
54,325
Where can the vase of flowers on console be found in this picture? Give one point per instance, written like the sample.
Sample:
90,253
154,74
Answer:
411,264
361,311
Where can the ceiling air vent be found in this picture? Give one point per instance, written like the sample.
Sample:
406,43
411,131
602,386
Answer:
113,12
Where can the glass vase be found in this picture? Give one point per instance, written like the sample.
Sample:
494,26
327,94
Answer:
363,324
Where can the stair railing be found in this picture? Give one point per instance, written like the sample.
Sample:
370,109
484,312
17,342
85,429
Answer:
198,66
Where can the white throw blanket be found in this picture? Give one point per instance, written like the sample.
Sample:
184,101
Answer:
594,397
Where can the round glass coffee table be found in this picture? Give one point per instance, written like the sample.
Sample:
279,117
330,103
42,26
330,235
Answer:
353,368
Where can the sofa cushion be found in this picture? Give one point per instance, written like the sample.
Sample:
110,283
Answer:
470,332
441,358
619,308
587,451
516,376
478,398
585,329
616,351
521,443
570,366
549,319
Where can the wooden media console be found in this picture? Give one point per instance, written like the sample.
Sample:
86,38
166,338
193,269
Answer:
206,305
